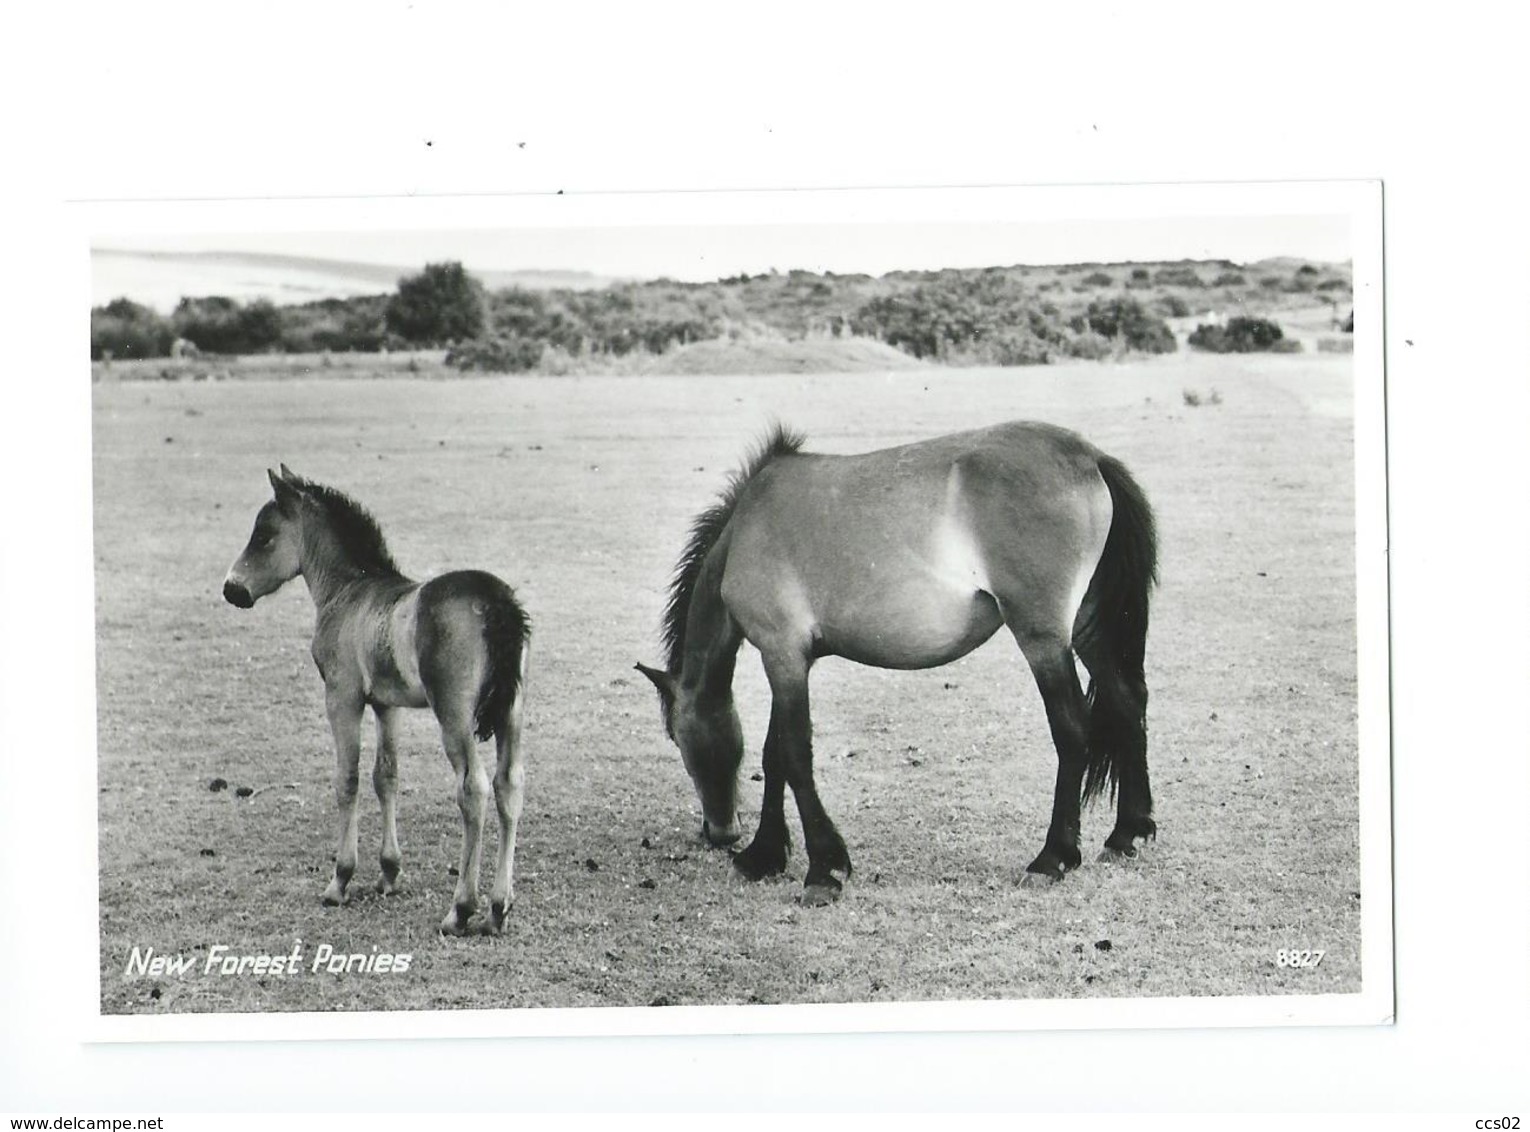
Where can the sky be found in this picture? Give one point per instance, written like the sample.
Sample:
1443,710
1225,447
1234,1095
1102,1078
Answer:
706,252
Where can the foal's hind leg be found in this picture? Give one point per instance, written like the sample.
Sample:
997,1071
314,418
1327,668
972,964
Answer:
472,796
344,710
509,795
1051,660
385,780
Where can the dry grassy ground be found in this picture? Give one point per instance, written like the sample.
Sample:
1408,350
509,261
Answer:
579,492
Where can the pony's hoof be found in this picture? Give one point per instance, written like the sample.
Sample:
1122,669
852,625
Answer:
1039,880
1109,854
334,896
821,892
498,914
757,865
456,923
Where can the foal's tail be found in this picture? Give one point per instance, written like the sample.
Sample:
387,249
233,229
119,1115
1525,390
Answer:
507,630
1110,635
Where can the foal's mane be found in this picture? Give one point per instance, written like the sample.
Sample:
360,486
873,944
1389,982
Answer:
360,538
707,529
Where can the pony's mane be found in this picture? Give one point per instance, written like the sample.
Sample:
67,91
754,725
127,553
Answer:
360,538
706,530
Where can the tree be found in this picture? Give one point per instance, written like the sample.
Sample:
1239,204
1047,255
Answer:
124,329
441,304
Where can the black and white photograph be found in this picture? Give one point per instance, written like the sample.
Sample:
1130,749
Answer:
671,559
980,607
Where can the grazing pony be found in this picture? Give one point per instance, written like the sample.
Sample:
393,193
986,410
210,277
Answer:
456,644
911,557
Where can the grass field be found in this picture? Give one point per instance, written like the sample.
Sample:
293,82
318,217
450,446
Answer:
579,491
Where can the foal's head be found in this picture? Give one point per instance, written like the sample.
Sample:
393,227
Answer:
273,556
711,742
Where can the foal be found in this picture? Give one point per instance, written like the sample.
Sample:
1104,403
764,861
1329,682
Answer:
456,644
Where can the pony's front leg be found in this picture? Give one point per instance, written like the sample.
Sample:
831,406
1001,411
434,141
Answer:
344,712
385,780
791,737
771,846
472,797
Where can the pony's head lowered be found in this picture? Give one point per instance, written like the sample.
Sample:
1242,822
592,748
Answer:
711,742
698,709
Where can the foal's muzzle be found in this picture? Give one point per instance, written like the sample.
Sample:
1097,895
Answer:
235,594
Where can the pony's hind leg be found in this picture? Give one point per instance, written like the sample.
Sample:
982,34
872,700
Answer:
509,796
385,780
472,798
1051,661
1117,723
344,711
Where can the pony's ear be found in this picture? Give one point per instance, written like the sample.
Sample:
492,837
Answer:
287,473
287,493
661,680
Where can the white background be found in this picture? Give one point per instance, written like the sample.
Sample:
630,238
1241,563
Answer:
156,100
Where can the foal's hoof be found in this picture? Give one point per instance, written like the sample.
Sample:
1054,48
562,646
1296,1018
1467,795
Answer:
498,914
387,886
334,896
1039,880
1109,853
456,922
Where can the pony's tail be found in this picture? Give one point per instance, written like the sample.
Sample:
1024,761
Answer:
1110,636
507,632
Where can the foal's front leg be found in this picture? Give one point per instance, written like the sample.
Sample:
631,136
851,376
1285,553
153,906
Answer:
344,710
385,779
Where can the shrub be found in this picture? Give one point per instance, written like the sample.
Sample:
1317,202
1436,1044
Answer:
340,325
1348,325
1230,279
1333,285
219,325
1240,336
441,304
1098,279
1172,306
1141,274
1091,346
1126,321
1286,346
501,353
1178,277
124,329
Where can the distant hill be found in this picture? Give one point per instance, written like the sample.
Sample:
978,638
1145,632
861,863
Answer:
162,279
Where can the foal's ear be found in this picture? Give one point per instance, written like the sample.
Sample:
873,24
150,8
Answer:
287,493
661,680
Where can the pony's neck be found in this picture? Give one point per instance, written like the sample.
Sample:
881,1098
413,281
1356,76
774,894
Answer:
709,651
